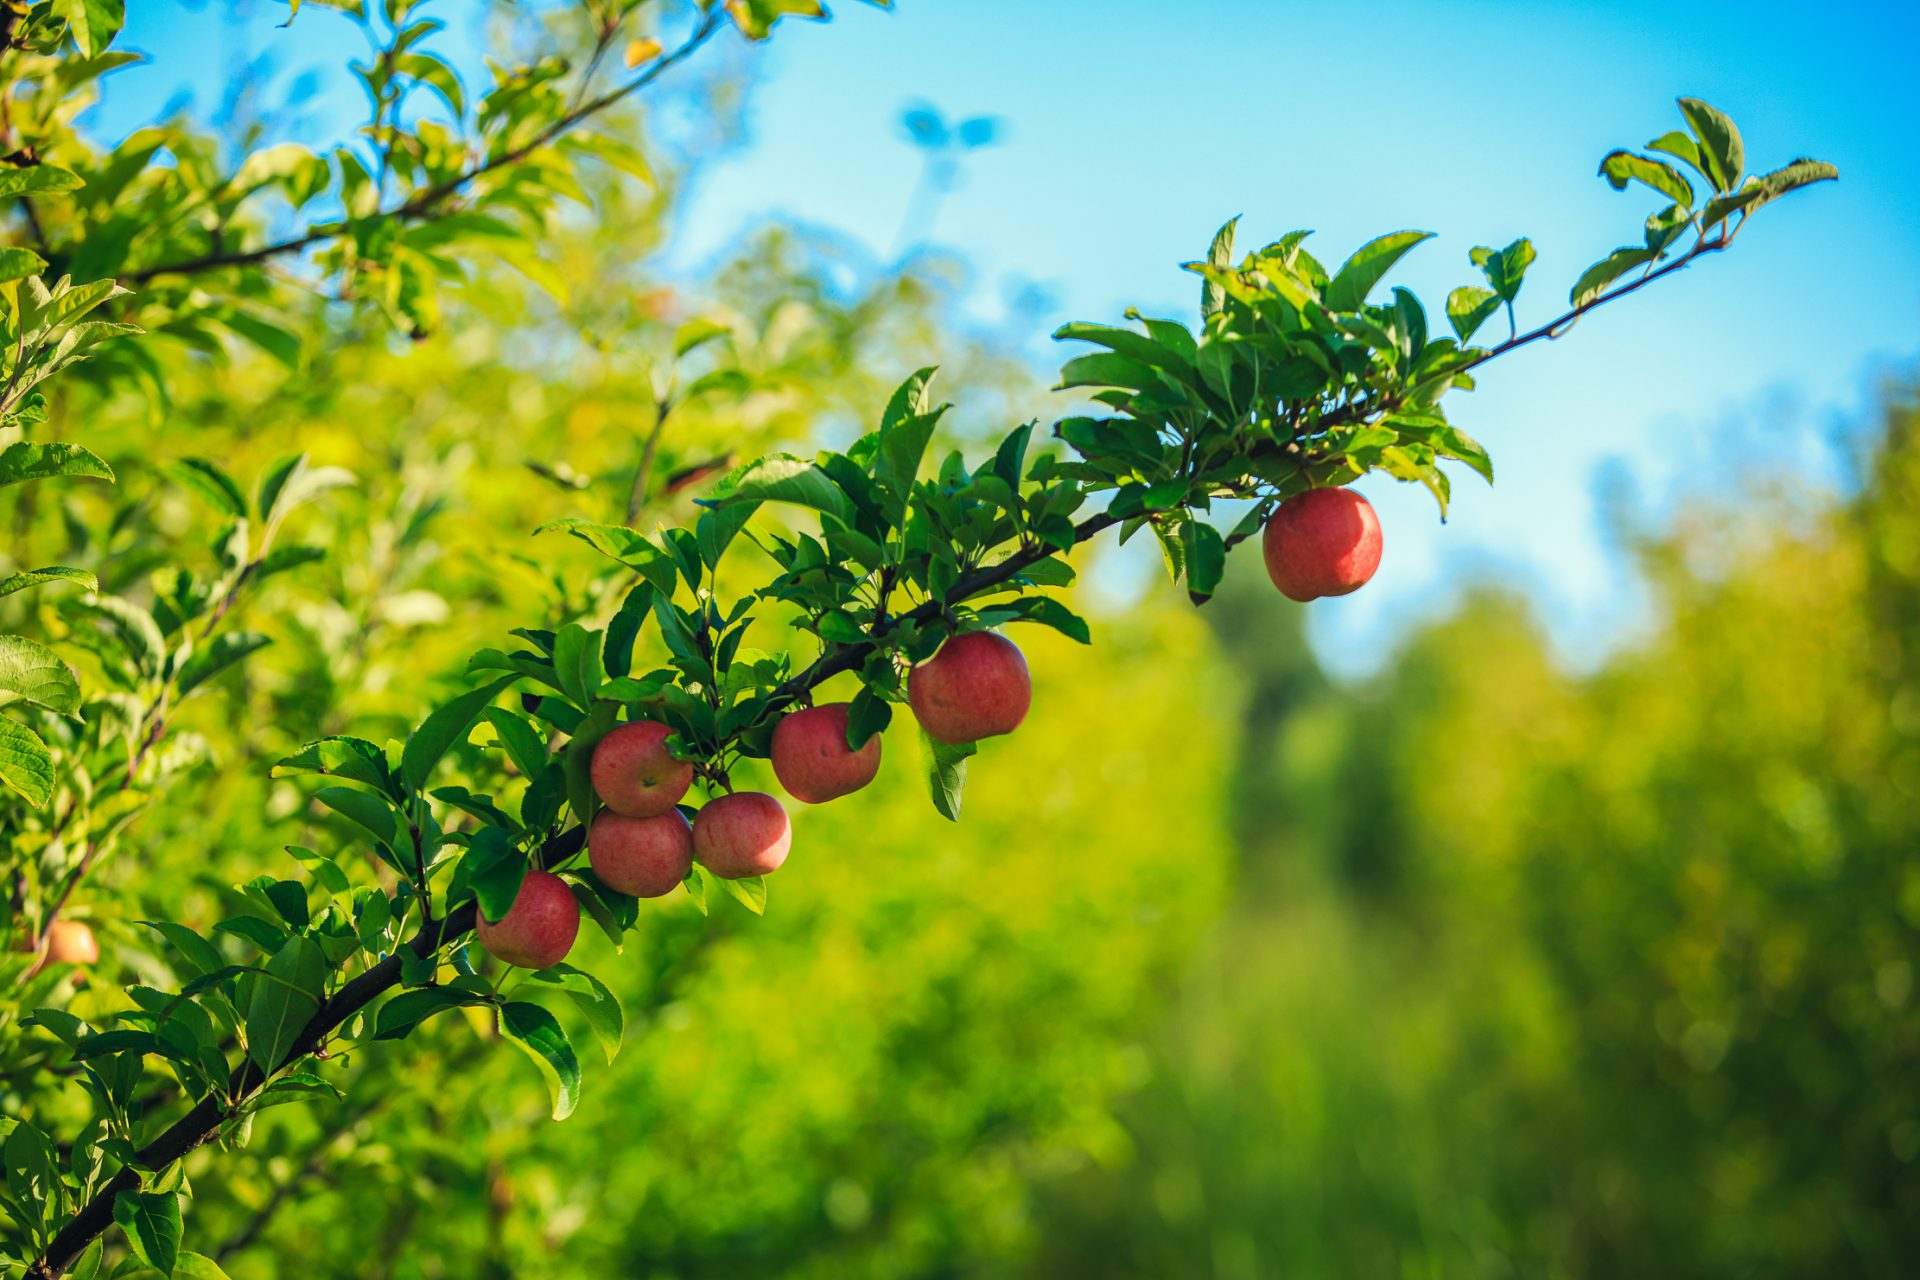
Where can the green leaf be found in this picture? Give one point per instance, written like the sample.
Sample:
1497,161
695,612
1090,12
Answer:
194,949
439,732
716,529
437,75
526,745
577,761
18,264
1681,147
1357,275
212,483
617,542
352,758
1793,176
217,657
749,891
368,811
1505,268
33,1171
93,24
1722,153
577,663
26,460
33,673
409,1009
197,1266
902,448
1595,279
1206,555
325,871
867,714
781,477
909,399
539,1036
1469,307
1105,369
53,573
1213,297
946,770
284,998
604,1015
151,1220
1621,167
282,344
40,179
493,868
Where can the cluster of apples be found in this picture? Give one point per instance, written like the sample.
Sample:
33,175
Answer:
976,686
1324,542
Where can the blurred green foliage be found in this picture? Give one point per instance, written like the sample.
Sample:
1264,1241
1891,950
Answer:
1556,975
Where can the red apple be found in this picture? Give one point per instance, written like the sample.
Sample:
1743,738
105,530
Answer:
645,857
634,774
812,759
975,687
71,942
742,834
539,928
1324,542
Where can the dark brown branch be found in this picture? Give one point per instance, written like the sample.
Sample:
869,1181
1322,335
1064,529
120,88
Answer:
424,203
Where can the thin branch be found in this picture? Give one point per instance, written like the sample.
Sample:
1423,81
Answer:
643,473
425,202
1554,328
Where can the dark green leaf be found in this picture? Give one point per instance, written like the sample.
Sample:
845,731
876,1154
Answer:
151,1220
283,999
439,732
539,1036
223,652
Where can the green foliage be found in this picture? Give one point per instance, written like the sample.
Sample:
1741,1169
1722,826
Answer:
1607,974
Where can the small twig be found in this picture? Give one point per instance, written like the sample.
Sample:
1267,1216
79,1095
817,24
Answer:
425,202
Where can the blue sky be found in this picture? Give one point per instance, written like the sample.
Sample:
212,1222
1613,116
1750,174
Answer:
1134,127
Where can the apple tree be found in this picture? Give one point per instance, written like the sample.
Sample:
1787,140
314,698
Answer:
612,731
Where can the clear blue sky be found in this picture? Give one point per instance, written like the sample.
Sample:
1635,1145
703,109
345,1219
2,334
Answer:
1134,127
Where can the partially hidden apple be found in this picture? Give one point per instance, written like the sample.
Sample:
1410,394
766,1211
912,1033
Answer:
539,928
645,857
742,834
812,759
71,942
634,774
976,686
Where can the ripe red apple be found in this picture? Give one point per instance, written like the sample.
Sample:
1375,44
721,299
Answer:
539,928
975,687
812,759
71,942
1324,542
633,773
645,857
742,834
